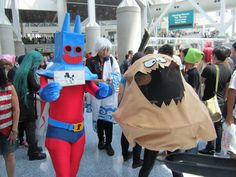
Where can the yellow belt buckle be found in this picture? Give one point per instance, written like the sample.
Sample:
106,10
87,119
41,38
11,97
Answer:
78,127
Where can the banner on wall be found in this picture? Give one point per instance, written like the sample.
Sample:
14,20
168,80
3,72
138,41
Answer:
181,20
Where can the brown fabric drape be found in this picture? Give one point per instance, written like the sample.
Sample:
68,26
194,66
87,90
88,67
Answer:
162,128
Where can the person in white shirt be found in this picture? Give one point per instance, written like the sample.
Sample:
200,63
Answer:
231,112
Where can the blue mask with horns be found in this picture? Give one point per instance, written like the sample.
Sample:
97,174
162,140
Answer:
69,51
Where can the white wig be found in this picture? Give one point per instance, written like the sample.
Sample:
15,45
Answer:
102,43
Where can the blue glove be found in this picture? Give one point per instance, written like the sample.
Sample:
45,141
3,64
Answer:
50,92
104,91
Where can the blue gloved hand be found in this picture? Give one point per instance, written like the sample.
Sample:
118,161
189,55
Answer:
104,91
50,92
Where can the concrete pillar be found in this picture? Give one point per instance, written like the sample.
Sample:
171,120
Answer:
143,4
0,48
6,39
144,22
128,28
19,48
2,12
233,29
222,18
92,30
233,12
61,10
6,33
203,29
15,18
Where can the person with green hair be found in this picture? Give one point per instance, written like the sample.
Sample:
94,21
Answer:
27,85
192,76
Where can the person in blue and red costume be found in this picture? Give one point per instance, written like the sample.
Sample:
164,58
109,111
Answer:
65,137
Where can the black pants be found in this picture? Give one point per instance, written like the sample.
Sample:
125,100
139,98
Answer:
125,147
104,127
30,134
148,163
216,144
21,130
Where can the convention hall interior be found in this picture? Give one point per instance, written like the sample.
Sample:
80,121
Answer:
169,29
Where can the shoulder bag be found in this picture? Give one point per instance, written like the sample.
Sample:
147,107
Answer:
212,104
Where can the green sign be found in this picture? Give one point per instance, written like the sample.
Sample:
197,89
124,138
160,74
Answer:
181,20
39,49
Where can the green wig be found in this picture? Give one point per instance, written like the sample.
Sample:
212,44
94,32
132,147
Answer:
31,62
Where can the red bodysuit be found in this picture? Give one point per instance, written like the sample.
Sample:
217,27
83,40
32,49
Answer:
66,154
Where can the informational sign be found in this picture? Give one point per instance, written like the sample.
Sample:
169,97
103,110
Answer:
39,49
181,20
69,78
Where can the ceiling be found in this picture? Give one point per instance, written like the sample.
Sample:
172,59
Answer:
105,10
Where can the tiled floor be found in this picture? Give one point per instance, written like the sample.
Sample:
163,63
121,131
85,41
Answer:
95,163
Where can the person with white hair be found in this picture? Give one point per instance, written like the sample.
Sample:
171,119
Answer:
107,69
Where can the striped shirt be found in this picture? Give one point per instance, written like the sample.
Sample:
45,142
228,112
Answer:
6,110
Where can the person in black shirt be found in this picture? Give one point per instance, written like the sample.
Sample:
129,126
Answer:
27,84
126,63
209,78
192,76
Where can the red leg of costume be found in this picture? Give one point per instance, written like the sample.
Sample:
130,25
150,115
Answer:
60,152
65,156
77,150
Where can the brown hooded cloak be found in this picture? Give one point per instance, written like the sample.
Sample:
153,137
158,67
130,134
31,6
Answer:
177,119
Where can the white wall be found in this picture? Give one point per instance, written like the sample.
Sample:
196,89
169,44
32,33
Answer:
47,5
107,27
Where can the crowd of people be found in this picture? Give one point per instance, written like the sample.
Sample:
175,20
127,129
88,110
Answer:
19,86
38,40
182,33
199,70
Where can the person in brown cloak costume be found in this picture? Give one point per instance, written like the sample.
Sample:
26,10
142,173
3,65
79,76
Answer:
160,111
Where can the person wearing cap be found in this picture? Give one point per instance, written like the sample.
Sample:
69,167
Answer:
191,58
8,61
10,58
11,63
